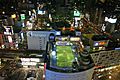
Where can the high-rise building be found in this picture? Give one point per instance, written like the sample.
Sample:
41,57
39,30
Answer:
37,40
65,61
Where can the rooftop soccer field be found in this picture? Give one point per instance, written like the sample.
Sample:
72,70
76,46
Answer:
64,56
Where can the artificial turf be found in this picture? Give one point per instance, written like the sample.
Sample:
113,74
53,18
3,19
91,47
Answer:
64,56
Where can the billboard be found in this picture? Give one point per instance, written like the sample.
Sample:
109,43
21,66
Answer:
8,30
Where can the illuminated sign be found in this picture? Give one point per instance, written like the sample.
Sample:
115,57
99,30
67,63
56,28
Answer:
41,12
61,38
30,59
76,13
29,63
100,43
13,16
67,39
62,43
75,39
10,39
9,30
29,25
78,33
22,16
64,38
111,20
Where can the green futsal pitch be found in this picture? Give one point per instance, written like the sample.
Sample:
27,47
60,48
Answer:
65,56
